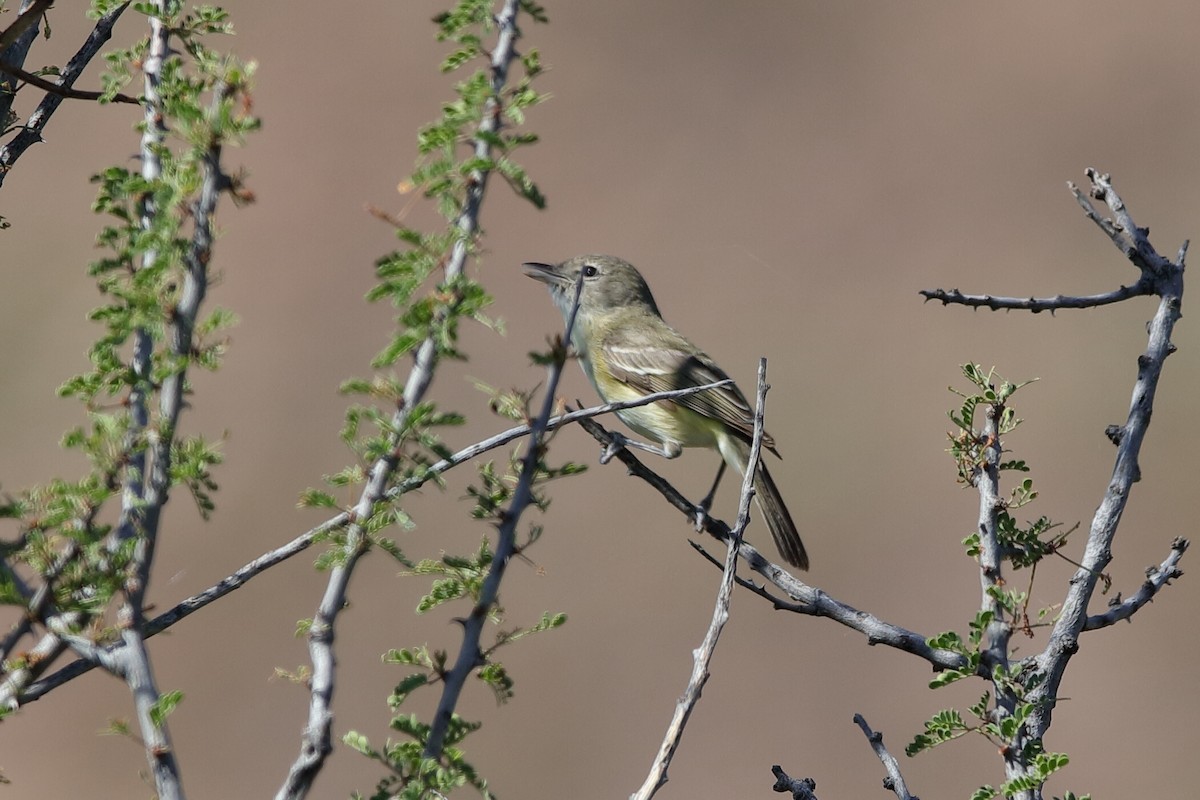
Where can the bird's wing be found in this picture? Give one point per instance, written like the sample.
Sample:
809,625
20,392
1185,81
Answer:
659,368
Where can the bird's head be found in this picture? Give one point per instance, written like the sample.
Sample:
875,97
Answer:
608,283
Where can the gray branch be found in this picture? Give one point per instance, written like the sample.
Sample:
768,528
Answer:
26,21
994,649
13,692
806,599
148,480
139,509
1162,278
316,741
894,782
1167,279
702,656
799,788
1156,579
991,576
1036,304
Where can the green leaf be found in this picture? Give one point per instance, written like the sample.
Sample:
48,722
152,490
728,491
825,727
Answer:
312,498
357,741
163,706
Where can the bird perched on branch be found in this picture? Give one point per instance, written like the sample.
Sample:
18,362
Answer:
628,352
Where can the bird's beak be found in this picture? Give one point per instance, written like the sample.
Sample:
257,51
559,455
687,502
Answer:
546,273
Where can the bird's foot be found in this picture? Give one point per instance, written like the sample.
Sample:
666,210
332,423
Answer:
616,443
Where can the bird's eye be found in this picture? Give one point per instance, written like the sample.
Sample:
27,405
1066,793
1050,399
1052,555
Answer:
590,271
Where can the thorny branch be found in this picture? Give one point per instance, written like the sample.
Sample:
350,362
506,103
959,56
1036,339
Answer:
1042,674
1156,579
1167,278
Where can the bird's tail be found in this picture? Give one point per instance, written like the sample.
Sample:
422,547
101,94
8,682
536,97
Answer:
736,453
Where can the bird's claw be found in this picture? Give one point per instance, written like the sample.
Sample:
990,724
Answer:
615,444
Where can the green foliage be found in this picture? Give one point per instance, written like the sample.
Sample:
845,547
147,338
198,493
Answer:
153,252
941,727
475,137
457,153
192,459
1021,545
512,404
411,776
409,773
1002,713
456,577
167,702
1044,765
968,445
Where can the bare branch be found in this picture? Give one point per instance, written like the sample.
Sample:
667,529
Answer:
1124,233
809,599
1036,304
1156,579
31,132
801,788
702,656
58,89
1167,278
894,782
1131,240
15,43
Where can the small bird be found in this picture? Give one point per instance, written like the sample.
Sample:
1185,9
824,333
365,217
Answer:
628,352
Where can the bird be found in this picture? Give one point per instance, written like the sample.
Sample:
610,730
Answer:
628,351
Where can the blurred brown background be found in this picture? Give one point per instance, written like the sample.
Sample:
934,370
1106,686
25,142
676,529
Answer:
788,175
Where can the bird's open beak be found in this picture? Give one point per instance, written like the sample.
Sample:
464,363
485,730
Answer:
546,273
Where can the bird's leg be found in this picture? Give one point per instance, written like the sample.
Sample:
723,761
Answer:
617,441
706,503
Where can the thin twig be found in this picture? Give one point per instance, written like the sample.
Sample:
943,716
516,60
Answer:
702,656
56,88
470,655
31,132
14,693
895,780
1036,305
1156,579
746,583
994,648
